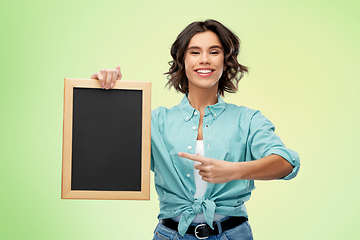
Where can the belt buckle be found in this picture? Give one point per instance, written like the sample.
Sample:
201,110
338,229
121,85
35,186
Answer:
196,232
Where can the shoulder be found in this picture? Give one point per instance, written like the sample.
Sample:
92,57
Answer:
246,116
158,111
162,114
239,108
163,111
242,111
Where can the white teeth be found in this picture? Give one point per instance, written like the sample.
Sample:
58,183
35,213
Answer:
204,71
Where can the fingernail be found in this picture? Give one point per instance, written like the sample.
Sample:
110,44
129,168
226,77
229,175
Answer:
112,84
180,154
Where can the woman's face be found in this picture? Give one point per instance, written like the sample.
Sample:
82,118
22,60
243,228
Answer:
204,61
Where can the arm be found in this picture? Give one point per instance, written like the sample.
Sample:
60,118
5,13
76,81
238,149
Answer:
268,168
217,171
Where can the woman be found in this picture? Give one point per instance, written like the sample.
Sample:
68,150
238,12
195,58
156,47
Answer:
206,153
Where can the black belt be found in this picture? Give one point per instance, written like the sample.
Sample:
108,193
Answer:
203,231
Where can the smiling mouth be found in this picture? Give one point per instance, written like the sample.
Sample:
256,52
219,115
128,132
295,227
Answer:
204,71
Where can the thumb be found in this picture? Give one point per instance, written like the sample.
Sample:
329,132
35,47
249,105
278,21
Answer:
204,161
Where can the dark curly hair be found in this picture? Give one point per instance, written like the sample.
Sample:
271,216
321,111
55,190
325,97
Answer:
233,72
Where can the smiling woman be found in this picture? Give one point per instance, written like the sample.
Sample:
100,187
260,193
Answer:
204,62
206,153
222,38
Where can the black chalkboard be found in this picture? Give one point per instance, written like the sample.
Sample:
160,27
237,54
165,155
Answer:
107,142
105,156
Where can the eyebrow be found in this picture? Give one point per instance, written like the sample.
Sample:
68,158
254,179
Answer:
196,47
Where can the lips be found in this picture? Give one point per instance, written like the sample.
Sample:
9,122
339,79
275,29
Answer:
204,72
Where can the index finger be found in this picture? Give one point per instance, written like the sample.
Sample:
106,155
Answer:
98,76
196,158
119,75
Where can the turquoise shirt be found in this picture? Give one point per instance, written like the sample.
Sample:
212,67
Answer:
230,133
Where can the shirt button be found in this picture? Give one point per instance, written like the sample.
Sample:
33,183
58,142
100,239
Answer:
195,113
188,175
215,114
194,127
206,125
189,147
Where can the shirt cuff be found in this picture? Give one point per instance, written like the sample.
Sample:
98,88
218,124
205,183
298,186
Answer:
292,157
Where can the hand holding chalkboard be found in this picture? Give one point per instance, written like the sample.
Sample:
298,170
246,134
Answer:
107,77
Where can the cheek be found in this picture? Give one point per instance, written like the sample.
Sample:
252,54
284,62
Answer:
222,67
187,71
221,73
222,63
188,68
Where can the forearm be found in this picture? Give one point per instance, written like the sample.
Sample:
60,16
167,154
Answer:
267,168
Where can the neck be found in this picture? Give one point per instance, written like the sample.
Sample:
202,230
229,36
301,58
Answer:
201,98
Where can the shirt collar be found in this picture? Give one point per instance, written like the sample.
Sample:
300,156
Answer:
188,111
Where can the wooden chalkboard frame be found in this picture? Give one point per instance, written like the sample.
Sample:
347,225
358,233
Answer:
66,191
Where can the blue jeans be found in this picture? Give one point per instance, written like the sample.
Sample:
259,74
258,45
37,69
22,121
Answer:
241,232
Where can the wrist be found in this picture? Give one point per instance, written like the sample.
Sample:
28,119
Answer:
237,170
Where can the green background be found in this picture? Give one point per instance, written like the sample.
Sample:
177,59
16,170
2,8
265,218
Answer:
303,58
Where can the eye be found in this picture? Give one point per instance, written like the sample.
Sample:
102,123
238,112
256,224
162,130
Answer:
214,52
194,52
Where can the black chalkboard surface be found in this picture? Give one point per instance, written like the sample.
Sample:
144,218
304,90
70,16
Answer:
106,146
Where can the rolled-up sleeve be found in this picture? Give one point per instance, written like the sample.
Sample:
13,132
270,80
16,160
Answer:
263,142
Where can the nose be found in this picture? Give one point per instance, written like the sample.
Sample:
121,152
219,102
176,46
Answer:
204,59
